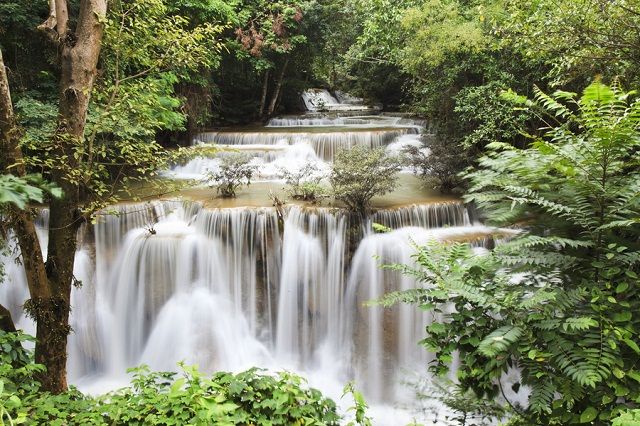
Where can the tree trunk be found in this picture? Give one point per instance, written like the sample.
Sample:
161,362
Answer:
50,283
78,62
276,94
11,162
265,89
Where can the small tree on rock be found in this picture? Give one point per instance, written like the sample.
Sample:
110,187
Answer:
361,173
235,171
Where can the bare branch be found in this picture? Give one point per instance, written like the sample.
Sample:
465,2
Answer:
55,27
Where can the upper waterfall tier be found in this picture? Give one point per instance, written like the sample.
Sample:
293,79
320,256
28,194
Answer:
326,121
326,143
322,100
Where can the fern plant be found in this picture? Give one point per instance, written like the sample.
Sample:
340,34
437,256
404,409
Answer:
559,302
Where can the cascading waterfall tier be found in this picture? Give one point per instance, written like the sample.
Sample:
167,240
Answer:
325,144
432,215
322,100
234,288
304,121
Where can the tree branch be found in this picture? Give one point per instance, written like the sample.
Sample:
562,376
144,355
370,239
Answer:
55,27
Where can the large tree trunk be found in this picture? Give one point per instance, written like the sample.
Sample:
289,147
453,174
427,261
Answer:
78,64
276,93
50,283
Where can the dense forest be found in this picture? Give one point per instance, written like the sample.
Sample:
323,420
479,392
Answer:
507,131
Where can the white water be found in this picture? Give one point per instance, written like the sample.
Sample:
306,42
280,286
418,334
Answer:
325,144
326,121
224,289
322,100
285,145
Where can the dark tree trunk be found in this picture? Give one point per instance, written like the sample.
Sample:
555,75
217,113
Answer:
265,90
276,93
6,322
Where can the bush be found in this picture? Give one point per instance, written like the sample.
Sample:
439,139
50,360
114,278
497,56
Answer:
440,166
252,397
361,173
235,171
304,184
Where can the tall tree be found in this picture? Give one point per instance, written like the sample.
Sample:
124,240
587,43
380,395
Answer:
50,283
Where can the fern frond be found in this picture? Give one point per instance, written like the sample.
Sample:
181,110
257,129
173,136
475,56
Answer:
500,340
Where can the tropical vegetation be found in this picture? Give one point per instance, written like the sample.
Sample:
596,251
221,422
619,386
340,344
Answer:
557,301
532,114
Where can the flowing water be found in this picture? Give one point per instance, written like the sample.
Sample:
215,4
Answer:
231,288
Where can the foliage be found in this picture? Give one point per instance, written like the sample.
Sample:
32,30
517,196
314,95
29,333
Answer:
359,408
440,29
467,408
627,418
579,38
558,301
304,183
20,191
361,173
16,376
160,398
372,61
235,170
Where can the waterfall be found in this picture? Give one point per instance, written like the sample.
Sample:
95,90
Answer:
302,121
315,99
310,304
227,289
432,215
322,100
387,341
325,144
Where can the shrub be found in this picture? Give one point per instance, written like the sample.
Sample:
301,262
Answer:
160,398
439,165
304,184
235,171
361,173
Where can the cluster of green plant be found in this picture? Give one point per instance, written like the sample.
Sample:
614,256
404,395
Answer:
160,398
359,407
560,301
361,173
235,171
304,183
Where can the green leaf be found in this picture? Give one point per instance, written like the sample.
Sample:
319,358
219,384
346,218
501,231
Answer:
588,415
623,286
633,345
500,340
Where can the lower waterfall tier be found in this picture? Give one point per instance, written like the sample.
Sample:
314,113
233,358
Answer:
228,289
